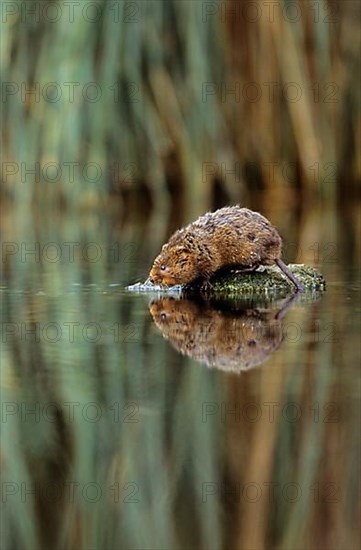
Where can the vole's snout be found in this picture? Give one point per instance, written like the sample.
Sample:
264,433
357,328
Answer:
154,280
153,275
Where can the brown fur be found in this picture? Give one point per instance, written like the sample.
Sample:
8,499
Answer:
230,236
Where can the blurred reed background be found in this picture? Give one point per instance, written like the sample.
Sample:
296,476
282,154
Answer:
140,116
178,85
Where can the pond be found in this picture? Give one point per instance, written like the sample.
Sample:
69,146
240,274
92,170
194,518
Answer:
148,421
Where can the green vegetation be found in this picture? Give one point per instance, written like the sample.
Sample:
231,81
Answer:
179,100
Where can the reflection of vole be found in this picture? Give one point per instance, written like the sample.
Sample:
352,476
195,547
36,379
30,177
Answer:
227,237
229,342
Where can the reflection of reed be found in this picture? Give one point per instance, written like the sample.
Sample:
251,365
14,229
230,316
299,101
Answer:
231,341
173,451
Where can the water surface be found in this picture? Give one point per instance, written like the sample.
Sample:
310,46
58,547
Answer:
121,430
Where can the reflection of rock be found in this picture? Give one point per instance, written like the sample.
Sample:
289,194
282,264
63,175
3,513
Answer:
232,341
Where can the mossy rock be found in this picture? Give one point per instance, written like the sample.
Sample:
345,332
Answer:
269,280
267,283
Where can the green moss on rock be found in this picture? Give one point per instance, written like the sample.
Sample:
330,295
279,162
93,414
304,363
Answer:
270,280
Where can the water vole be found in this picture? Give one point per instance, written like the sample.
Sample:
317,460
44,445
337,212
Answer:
230,236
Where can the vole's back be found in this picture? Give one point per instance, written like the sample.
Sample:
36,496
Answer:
237,236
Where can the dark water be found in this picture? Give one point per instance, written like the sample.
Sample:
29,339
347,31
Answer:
144,421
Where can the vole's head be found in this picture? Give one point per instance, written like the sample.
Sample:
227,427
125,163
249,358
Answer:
175,265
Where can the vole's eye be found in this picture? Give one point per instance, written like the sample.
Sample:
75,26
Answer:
163,316
163,267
